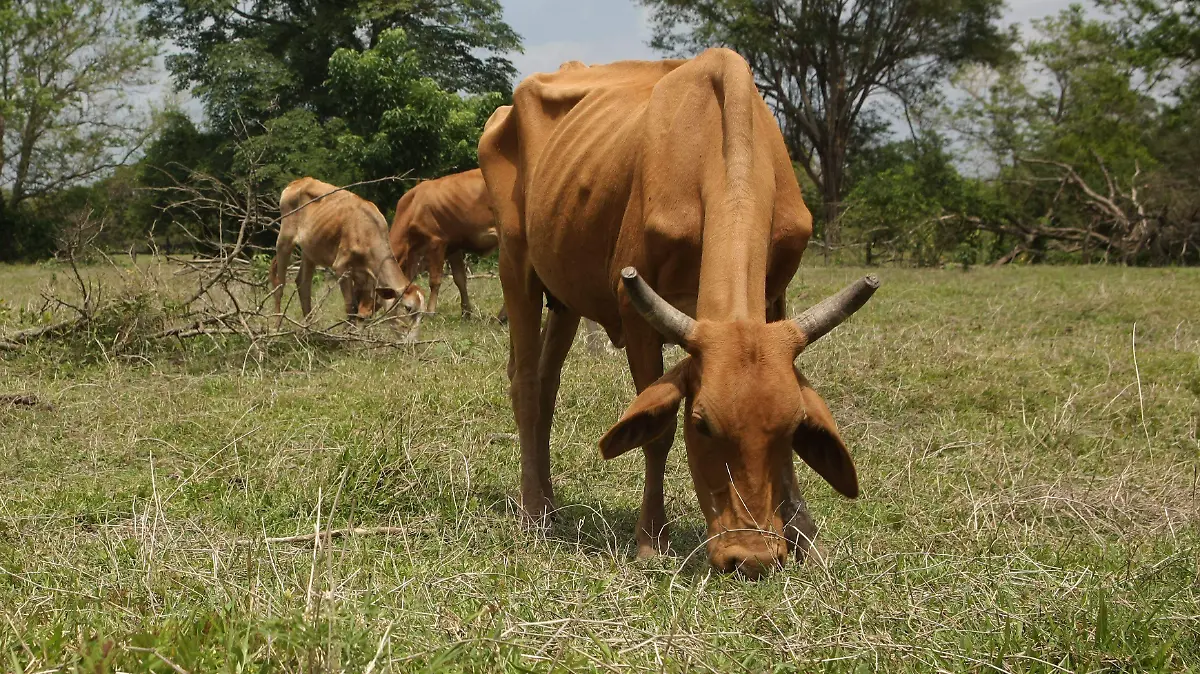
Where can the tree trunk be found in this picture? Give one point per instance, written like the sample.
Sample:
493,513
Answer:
831,209
6,234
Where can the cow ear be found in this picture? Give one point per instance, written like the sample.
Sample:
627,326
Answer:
651,414
818,442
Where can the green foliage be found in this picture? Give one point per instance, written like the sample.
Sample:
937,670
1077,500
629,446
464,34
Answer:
1073,132
389,119
1159,29
398,119
296,144
251,61
342,91
913,204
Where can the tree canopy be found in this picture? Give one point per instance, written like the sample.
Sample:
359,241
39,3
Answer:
249,61
66,113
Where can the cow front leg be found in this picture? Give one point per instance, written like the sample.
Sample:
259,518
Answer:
557,337
279,266
349,298
524,352
304,287
436,259
643,349
798,527
458,270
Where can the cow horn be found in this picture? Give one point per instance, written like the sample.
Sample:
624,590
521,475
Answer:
670,322
819,320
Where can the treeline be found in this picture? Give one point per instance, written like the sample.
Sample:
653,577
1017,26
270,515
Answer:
346,90
928,135
923,131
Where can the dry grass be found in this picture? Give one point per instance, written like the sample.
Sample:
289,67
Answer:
1029,499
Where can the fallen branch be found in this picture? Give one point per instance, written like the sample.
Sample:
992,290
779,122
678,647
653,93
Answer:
24,400
19,339
327,535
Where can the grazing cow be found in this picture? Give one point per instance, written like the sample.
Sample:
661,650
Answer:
639,195
346,233
441,220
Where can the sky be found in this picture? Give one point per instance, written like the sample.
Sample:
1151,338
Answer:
600,31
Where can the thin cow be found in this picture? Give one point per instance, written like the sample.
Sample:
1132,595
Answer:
439,221
346,233
658,199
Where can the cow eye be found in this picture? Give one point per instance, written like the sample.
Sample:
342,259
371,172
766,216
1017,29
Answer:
701,426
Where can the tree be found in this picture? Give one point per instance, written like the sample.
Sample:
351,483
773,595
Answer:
398,117
1069,128
819,62
911,202
66,116
1159,28
250,60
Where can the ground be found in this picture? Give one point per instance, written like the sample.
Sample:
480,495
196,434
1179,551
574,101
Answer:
1026,441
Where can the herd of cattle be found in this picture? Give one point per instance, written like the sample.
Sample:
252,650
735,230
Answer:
656,199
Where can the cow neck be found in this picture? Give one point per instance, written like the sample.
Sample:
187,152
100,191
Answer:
733,271
737,230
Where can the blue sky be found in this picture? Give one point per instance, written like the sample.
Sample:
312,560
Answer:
599,31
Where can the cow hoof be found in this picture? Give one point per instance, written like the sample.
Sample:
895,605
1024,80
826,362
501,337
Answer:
647,551
541,514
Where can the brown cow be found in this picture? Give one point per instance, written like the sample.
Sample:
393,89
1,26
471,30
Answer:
346,233
441,220
675,169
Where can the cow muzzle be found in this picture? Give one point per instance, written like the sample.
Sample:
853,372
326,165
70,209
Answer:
752,554
411,298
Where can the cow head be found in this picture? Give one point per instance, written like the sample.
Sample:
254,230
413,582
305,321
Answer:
747,408
387,289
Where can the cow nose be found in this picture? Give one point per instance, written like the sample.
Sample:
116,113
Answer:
752,564
413,301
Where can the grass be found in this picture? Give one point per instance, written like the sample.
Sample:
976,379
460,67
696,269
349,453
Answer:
1029,499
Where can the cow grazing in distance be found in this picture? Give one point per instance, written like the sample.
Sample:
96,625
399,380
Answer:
346,233
439,221
641,195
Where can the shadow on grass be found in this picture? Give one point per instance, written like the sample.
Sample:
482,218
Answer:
596,529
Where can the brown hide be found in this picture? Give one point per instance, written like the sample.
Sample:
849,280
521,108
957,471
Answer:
678,169
343,232
440,220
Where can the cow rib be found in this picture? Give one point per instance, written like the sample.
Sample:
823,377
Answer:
822,318
670,322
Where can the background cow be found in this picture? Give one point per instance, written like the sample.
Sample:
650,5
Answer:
675,169
442,220
346,233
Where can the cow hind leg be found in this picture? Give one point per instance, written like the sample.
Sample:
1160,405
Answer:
458,269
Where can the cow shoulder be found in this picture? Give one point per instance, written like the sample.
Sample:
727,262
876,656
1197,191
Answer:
498,156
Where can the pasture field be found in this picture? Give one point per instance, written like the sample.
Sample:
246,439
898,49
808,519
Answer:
1029,498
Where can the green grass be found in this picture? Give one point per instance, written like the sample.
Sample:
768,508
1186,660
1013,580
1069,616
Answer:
1029,498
